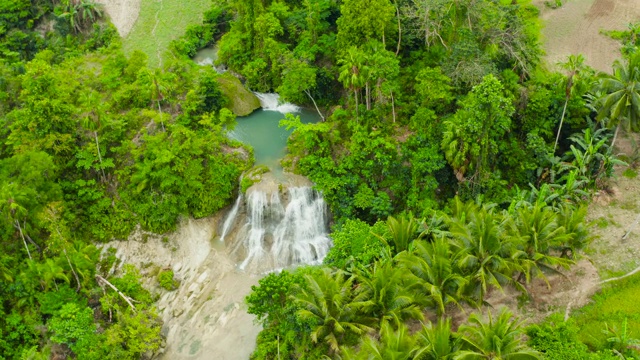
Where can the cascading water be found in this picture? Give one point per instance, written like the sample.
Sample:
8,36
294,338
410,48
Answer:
274,235
271,102
228,223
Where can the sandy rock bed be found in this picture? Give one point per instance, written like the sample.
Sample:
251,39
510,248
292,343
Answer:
205,318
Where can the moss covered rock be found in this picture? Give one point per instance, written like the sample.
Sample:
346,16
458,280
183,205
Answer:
241,101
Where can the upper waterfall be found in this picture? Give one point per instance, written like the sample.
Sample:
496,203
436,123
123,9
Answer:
271,102
276,226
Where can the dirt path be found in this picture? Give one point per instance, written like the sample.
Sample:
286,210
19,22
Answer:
575,28
123,13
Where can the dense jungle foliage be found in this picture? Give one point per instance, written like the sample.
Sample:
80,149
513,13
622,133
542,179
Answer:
93,143
454,163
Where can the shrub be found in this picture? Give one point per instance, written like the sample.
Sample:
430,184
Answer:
166,280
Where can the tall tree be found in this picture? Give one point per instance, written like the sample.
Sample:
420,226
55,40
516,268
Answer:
621,95
363,20
471,139
574,65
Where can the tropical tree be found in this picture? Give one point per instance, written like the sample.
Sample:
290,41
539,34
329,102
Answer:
437,342
393,344
352,71
436,275
471,138
93,122
496,339
535,227
329,300
621,95
483,249
387,291
574,65
573,220
50,271
403,231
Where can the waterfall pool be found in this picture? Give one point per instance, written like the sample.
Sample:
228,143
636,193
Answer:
261,130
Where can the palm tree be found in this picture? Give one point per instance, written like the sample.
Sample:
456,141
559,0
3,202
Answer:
576,228
437,342
386,289
328,300
574,64
621,99
392,345
351,72
499,339
403,231
89,12
437,278
92,121
50,272
535,227
482,248
158,88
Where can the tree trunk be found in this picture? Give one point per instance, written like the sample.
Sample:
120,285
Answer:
615,135
23,240
314,104
393,108
368,96
355,93
564,110
399,29
104,178
123,296
160,110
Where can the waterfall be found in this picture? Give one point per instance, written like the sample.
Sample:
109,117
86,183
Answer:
275,235
228,223
271,102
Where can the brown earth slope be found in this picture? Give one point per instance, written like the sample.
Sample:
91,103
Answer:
575,28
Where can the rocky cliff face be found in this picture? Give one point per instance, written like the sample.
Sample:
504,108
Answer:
205,318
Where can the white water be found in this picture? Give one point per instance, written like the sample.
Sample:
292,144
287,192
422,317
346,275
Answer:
228,223
275,236
271,102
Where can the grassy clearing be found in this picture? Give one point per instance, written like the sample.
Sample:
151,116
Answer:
160,22
610,307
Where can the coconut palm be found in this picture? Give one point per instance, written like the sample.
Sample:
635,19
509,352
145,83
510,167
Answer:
93,121
403,231
328,300
573,66
386,290
437,342
437,278
393,345
497,339
535,227
621,95
576,228
352,69
483,249
50,271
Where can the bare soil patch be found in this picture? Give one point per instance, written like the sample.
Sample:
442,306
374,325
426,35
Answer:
575,28
612,214
123,13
